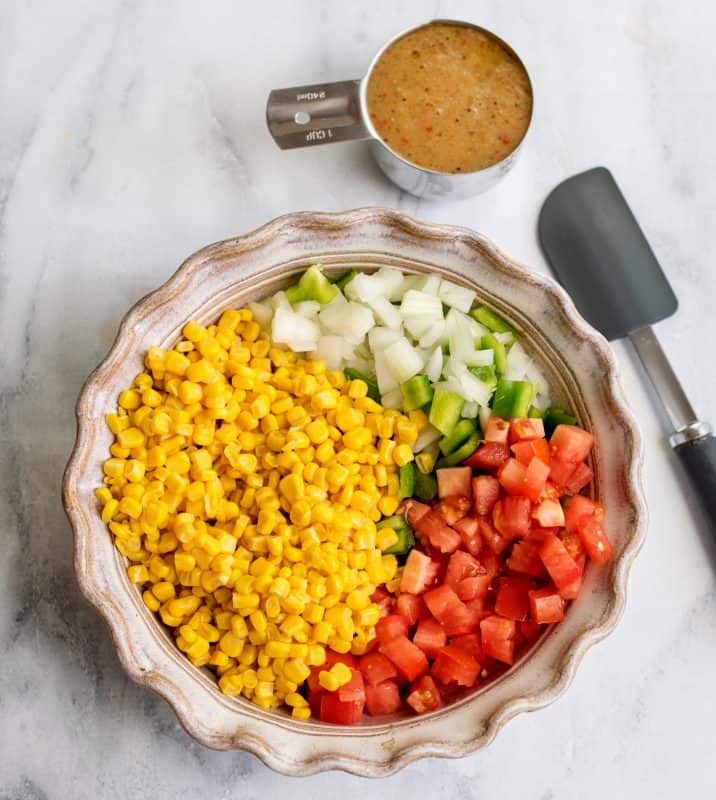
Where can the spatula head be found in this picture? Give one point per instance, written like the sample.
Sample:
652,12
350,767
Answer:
601,257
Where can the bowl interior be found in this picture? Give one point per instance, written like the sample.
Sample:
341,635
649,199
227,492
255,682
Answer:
580,371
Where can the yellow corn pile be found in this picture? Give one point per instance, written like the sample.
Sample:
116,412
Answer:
244,487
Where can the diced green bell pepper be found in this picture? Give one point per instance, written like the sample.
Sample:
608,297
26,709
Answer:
512,398
485,374
445,410
406,539
535,413
426,487
407,480
312,285
457,436
458,456
557,416
489,341
354,375
417,392
489,319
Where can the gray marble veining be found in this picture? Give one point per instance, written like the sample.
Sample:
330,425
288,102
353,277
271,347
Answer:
130,135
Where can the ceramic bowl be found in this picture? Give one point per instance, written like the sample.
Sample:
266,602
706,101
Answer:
577,361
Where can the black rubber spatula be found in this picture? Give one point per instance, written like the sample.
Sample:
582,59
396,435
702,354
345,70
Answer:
601,257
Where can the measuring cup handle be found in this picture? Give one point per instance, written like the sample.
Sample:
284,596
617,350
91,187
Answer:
303,116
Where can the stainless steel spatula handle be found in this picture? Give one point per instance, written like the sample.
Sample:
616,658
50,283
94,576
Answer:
691,438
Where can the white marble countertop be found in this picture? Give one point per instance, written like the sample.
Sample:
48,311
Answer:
131,134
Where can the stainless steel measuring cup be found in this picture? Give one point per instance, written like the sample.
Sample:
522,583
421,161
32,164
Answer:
304,116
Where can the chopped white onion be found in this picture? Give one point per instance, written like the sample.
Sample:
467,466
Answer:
263,313
330,348
299,333
518,363
479,358
456,296
385,312
408,282
434,335
470,409
392,282
426,437
421,304
419,326
279,300
430,285
383,374
484,416
392,399
307,308
434,366
403,360
380,338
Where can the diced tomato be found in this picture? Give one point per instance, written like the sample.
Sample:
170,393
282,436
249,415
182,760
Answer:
525,559
442,537
570,443
560,472
382,698
511,516
546,605
595,541
526,481
430,636
539,534
424,695
549,514
443,603
579,511
407,657
332,657
384,600
530,629
391,627
522,430
474,587
410,606
376,668
340,712
414,511
455,665
489,455
462,565
469,532
354,689
571,590
497,430
512,601
419,572
471,643
535,479
314,701
524,452
454,508
561,566
494,540
465,620
498,638
491,562
550,492
486,492
581,476
573,543
512,476
454,481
